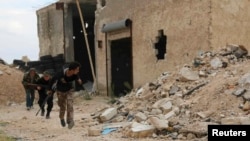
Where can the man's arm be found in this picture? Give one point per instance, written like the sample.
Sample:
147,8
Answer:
24,81
53,82
79,80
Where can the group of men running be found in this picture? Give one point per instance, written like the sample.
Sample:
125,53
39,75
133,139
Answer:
60,83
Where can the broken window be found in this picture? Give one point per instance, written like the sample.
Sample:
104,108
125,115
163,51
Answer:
161,45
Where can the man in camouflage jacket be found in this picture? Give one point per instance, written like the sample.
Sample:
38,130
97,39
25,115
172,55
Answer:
29,80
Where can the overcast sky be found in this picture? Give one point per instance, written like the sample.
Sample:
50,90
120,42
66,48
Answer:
18,28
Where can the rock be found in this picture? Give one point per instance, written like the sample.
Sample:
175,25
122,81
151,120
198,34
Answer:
246,106
140,130
198,128
173,90
158,103
169,115
239,91
108,114
246,95
140,117
188,75
95,130
216,63
159,124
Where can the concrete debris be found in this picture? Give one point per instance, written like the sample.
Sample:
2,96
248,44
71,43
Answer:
108,114
164,106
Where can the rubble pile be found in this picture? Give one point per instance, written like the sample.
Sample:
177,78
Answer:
180,105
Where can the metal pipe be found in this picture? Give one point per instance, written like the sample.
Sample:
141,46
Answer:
116,25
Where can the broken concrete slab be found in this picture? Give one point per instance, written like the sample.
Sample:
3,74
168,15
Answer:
166,107
159,124
108,114
246,95
198,128
158,103
140,117
140,130
169,115
188,75
235,120
95,130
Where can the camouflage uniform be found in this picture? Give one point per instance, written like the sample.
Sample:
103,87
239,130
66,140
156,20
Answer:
62,98
64,89
29,89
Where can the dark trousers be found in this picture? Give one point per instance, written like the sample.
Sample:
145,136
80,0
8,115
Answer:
30,96
42,97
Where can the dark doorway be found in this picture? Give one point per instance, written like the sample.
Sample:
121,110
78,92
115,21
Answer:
121,66
80,47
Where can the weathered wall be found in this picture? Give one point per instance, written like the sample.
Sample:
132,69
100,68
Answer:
191,26
68,33
184,22
50,31
230,23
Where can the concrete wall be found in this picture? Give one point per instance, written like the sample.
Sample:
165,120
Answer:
184,22
50,31
191,26
230,23
68,31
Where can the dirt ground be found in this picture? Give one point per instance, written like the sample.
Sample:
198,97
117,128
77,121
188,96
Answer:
24,125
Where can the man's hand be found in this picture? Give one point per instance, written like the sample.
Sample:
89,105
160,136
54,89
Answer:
38,88
49,92
25,83
79,81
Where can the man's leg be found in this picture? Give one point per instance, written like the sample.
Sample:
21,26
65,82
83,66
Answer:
32,98
62,97
50,106
28,101
40,103
70,110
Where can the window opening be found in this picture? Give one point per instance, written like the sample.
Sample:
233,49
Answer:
161,45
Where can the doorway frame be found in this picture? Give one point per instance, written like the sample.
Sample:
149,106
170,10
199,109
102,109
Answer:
109,37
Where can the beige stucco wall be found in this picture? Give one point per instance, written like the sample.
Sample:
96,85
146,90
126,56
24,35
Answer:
184,22
50,31
191,26
230,23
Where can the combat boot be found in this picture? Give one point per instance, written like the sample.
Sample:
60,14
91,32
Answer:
63,122
42,113
71,124
48,115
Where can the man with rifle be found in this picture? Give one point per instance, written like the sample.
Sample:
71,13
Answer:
64,88
45,96
30,78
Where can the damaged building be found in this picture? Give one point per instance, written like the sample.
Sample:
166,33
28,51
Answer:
130,42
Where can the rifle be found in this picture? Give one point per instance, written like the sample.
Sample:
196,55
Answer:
44,102
35,85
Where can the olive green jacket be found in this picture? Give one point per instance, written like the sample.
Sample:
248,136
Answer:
27,80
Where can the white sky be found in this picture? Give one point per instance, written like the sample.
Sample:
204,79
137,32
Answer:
18,29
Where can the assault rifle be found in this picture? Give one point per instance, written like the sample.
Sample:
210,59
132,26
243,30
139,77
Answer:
44,102
35,85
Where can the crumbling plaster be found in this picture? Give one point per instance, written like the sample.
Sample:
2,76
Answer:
50,31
